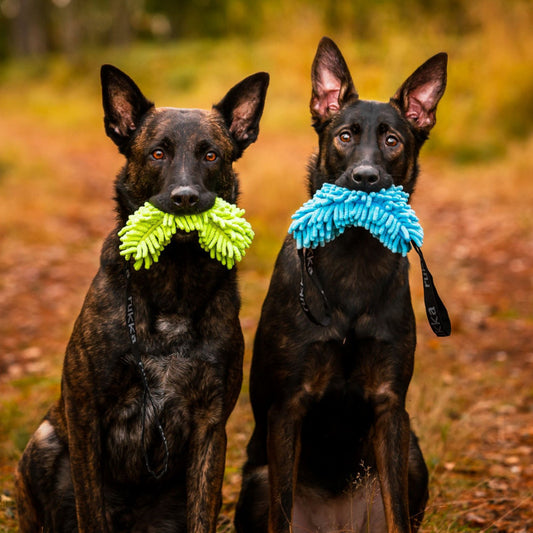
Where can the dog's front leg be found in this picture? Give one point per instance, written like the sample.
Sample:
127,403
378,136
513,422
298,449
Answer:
84,444
283,444
391,448
205,474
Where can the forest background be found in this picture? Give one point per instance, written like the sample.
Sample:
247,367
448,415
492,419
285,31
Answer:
471,399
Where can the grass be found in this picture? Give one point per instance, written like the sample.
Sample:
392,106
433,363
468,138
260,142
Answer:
56,169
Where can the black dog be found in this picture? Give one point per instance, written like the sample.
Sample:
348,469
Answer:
332,448
137,439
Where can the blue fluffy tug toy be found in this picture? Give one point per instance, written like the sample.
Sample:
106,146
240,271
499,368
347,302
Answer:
386,214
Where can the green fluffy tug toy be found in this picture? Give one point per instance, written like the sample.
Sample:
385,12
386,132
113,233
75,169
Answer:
222,232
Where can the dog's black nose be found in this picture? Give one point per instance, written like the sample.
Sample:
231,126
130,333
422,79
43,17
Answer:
185,196
365,177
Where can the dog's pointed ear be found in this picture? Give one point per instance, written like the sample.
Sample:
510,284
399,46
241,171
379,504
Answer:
124,105
242,108
419,95
331,82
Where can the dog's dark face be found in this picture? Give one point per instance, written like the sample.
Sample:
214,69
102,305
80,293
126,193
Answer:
367,145
179,159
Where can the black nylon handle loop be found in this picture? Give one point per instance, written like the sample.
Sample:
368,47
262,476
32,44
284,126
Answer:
436,311
306,267
147,395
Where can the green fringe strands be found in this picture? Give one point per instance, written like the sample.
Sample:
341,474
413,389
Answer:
222,232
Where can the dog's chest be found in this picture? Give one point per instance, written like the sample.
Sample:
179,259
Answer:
174,330
180,391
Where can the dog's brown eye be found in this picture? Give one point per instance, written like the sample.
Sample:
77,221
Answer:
158,154
345,136
391,140
210,156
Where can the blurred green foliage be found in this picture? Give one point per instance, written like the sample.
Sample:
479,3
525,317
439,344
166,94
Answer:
186,45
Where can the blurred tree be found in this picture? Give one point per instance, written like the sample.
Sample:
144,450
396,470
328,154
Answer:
206,18
27,26
365,19
35,27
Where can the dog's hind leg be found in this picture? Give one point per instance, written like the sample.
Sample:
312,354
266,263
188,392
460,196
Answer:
35,478
30,519
251,513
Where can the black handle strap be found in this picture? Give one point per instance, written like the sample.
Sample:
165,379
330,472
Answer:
435,310
147,395
306,267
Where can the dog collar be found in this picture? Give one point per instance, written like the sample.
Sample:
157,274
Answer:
222,232
386,215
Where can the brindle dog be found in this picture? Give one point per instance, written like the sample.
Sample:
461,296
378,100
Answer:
135,446
332,448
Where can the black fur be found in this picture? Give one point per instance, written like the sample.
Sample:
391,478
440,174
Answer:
332,448
84,469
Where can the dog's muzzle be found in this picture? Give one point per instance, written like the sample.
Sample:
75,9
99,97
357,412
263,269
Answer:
184,200
364,177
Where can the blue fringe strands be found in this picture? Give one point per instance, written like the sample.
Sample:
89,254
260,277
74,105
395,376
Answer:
385,214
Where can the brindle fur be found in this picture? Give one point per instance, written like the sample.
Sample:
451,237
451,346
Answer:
83,469
329,402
